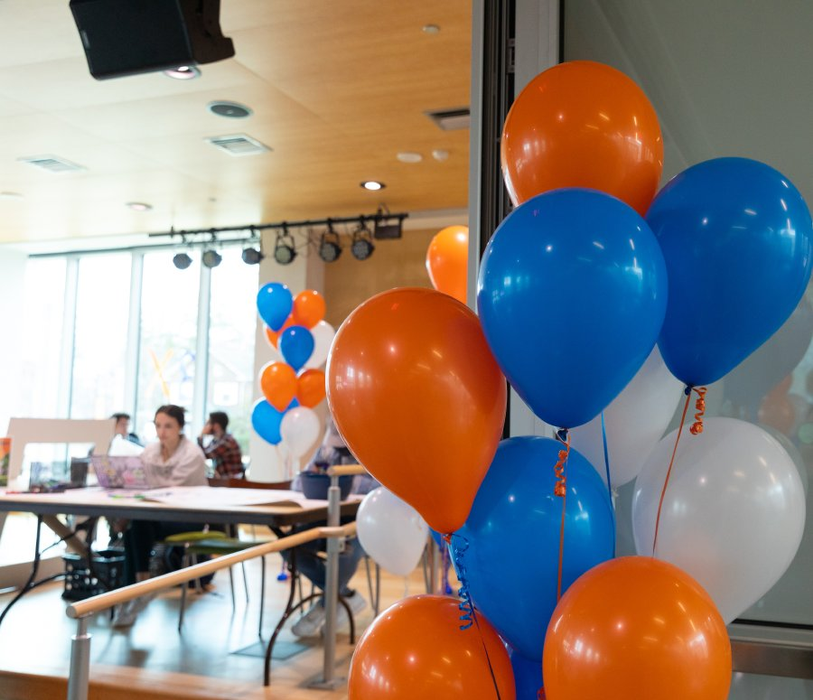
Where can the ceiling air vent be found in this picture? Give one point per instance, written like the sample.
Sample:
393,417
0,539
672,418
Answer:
450,119
238,145
52,164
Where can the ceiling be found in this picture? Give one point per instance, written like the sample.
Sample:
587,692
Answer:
337,89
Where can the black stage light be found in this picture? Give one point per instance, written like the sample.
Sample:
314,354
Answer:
284,251
124,37
181,261
329,247
211,258
362,246
252,256
387,226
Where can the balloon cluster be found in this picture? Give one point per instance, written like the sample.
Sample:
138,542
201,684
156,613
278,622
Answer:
576,287
294,386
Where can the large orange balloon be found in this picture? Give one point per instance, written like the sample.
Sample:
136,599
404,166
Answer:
447,261
310,388
416,650
419,399
309,308
583,124
278,384
273,336
636,627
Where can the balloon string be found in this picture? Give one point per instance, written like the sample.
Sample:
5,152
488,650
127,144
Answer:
468,615
607,467
700,407
561,490
688,392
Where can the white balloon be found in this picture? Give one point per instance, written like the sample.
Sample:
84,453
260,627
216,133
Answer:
634,421
323,334
391,531
733,515
299,430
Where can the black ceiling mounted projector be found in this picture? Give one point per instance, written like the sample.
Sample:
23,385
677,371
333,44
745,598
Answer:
125,37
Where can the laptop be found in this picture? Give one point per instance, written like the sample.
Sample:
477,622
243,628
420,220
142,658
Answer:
120,472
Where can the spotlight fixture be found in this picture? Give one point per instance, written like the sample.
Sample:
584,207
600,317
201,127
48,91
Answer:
386,225
329,247
183,73
252,256
211,258
284,251
372,185
362,246
181,261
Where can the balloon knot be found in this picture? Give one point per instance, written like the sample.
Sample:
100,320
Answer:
700,407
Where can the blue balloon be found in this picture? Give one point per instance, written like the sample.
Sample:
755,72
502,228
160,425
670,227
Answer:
296,346
266,421
736,236
437,537
571,296
512,557
274,304
527,676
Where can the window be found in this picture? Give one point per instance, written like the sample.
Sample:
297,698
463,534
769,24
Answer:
233,323
167,347
100,336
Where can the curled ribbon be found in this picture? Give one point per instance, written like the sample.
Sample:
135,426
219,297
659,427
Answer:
700,407
561,481
465,605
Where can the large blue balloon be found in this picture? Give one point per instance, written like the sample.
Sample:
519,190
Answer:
736,236
527,676
274,304
296,346
571,295
512,559
266,420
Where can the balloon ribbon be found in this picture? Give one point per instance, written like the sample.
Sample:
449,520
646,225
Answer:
696,429
468,616
561,490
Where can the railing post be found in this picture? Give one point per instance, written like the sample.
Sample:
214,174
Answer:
331,592
79,674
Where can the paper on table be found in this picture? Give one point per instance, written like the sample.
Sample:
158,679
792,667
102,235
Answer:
207,497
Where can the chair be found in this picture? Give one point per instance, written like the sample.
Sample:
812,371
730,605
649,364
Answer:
216,543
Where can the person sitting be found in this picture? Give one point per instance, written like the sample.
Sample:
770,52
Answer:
122,429
172,461
310,561
222,448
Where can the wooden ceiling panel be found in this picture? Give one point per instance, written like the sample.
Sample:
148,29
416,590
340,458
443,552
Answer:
336,89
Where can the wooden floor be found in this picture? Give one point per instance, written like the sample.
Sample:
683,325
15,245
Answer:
35,638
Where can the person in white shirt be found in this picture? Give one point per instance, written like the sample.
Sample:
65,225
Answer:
174,460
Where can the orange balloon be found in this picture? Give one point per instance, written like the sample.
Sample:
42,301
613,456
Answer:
416,649
419,399
636,627
583,124
310,388
447,261
273,336
278,383
309,308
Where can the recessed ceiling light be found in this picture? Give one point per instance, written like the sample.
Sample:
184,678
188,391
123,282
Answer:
183,73
11,195
232,110
430,29
373,185
139,206
440,154
409,157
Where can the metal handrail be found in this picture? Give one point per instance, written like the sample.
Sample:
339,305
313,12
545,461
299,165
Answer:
78,678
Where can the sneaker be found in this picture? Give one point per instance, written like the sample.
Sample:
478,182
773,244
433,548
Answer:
127,613
310,623
356,602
